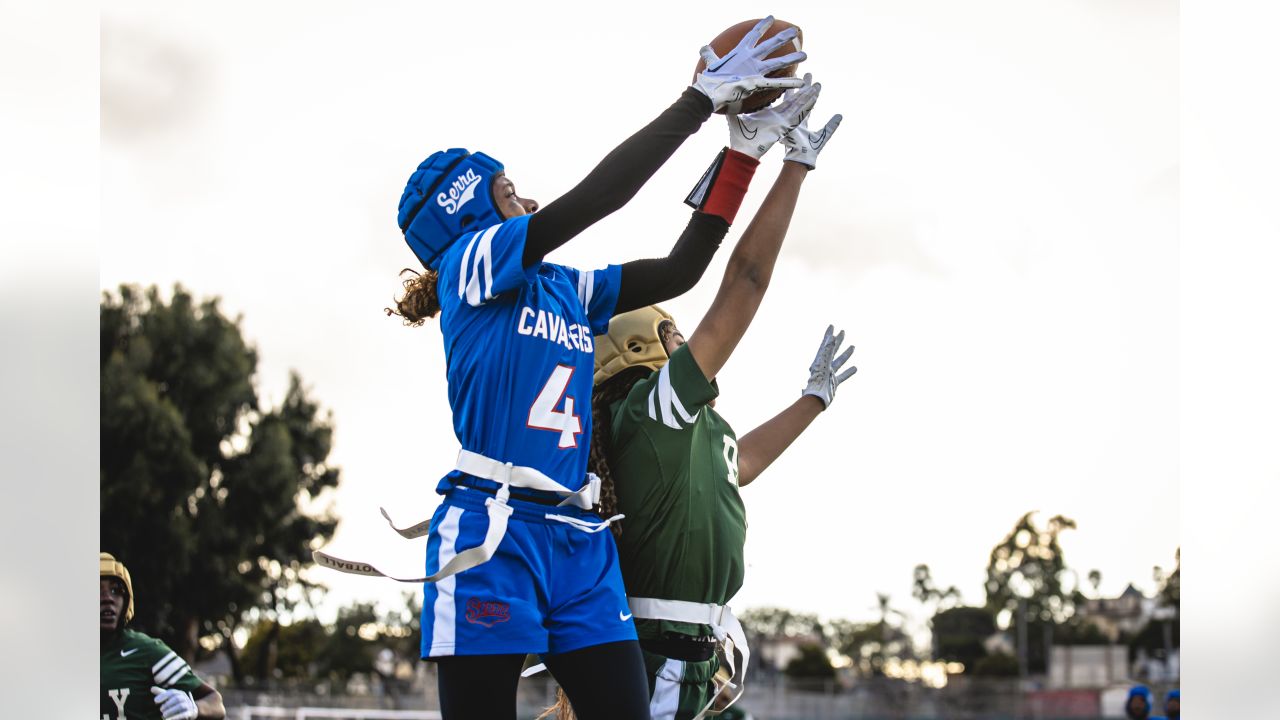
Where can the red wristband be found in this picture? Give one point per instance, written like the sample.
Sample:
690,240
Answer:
724,185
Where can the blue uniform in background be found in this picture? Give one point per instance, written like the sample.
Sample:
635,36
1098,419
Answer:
519,352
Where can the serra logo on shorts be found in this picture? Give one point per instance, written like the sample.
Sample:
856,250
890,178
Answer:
487,612
461,191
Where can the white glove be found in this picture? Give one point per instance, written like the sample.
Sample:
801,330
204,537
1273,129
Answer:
730,79
803,145
823,379
755,133
175,704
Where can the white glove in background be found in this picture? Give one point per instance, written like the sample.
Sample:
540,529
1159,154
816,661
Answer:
823,379
175,704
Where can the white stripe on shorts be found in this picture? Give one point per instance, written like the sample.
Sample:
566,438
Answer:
442,636
666,690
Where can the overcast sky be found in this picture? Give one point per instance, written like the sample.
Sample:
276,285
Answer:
994,225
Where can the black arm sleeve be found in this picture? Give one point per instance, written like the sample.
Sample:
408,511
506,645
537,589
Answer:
617,178
645,282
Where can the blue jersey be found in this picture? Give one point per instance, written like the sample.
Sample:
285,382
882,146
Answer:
519,352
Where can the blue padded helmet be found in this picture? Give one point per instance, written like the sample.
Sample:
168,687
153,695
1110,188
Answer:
1143,692
449,195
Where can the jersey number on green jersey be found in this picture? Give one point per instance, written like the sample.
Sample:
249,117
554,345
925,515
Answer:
731,459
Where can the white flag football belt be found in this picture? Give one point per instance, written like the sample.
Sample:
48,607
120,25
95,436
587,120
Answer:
733,649
508,476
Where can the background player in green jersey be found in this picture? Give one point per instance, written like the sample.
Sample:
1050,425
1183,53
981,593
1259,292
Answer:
674,465
141,676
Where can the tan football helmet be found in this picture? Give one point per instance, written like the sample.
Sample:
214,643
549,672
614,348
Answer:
632,341
110,567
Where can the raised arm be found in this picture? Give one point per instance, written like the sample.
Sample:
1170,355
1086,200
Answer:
654,280
626,169
617,178
746,277
716,199
759,448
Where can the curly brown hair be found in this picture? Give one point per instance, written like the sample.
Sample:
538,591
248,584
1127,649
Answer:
606,394
420,300
562,710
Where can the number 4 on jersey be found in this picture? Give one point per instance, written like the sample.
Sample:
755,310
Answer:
543,414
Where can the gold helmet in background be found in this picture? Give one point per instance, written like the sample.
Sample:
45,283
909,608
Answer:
633,340
109,566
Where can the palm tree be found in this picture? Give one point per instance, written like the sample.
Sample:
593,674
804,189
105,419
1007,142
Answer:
888,633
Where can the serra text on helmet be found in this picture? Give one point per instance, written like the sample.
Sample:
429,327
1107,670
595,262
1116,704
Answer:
460,192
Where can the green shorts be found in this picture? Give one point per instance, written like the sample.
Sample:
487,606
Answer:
679,689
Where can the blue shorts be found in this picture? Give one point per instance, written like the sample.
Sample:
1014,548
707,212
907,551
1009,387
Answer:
550,588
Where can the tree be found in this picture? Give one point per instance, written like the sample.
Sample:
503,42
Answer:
850,638
1095,580
1161,634
959,634
352,644
307,649
275,651
201,489
939,601
811,664
1024,580
1073,632
869,645
774,622
1170,592
997,665
1027,565
1153,636
926,592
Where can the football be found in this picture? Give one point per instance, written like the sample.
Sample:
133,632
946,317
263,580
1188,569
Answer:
727,40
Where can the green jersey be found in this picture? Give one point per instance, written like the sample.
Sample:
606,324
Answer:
132,663
674,463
